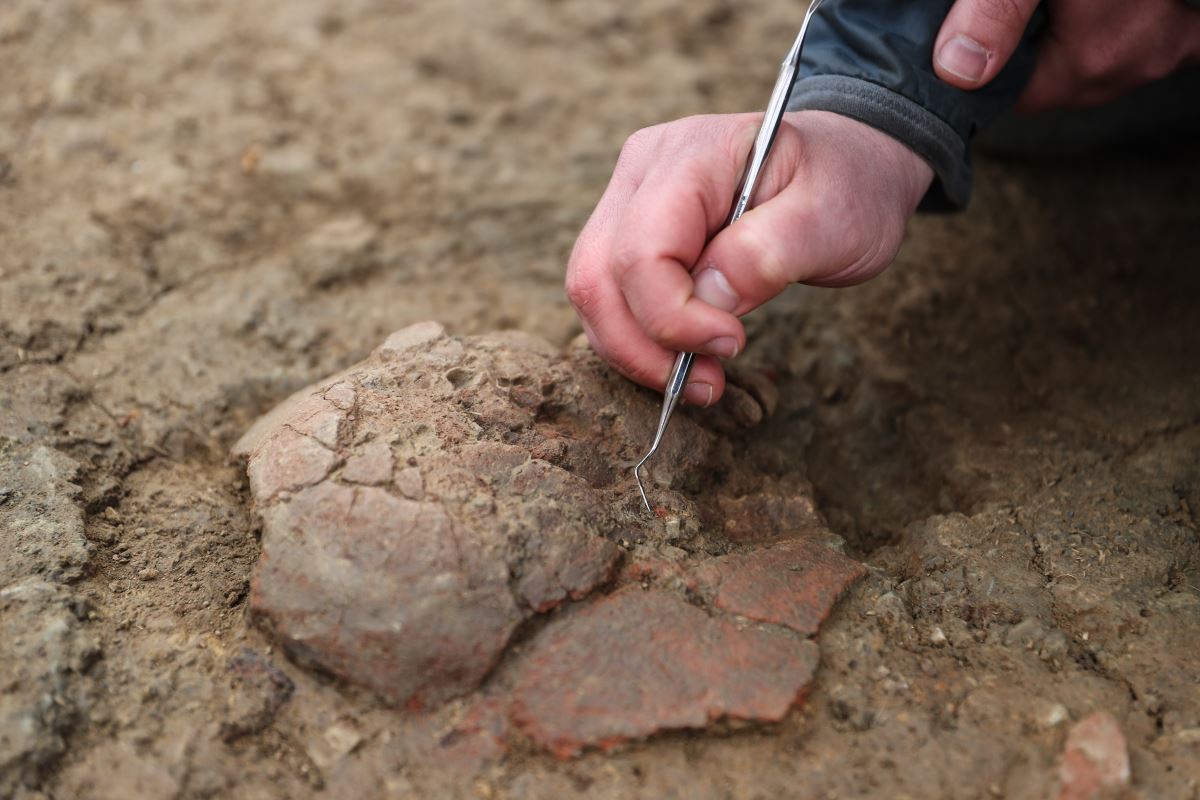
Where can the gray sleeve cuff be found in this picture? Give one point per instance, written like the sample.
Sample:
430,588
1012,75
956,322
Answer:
921,130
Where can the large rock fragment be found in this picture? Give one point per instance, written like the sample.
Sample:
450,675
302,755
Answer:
1095,762
377,589
408,528
420,506
794,583
639,661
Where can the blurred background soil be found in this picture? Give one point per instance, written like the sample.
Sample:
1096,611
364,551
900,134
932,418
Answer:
207,204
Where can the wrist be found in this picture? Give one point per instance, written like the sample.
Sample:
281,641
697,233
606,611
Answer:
906,173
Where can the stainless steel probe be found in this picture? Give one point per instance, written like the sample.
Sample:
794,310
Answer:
749,182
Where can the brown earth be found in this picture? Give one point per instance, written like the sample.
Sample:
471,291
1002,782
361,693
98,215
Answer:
207,205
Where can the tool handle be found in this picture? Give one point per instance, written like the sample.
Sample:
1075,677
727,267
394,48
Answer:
772,119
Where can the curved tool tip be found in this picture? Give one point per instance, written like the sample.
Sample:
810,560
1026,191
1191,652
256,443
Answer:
637,477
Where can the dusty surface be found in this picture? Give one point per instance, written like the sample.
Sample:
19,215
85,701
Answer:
205,206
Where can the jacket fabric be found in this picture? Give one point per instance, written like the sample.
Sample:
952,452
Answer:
872,60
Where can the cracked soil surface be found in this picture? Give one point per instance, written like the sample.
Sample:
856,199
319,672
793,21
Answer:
206,206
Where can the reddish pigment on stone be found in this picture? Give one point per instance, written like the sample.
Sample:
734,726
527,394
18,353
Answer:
795,583
639,662
1095,762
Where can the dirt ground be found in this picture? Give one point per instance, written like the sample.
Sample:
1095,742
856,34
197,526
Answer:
206,204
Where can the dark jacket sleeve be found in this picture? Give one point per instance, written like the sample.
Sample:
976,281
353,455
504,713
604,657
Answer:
873,60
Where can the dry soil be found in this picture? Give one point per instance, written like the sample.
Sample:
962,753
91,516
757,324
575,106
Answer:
206,205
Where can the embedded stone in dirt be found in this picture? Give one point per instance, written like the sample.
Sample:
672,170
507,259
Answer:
639,662
408,528
258,689
794,583
418,507
1095,761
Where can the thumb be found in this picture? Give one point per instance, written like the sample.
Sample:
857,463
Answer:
786,239
977,39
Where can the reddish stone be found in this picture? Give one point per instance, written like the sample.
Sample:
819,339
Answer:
655,569
341,395
291,461
639,662
794,583
409,483
478,737
1095,762
378,590
318,418
371,466
483,481
552,450
410,583
569,566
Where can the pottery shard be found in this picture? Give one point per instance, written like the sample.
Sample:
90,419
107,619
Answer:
1095,762
795,583
372,466
373,588
293,461
638,662
407,531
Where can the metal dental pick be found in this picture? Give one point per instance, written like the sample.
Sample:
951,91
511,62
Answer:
749,182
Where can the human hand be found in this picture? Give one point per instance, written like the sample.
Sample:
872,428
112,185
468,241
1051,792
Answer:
830,210
1094,50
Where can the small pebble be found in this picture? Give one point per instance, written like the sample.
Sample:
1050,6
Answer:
672,527
1053,716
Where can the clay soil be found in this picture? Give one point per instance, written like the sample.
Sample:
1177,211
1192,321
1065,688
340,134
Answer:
207,204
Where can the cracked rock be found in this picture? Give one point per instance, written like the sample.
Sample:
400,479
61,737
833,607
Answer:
1095,762
418,507
640,661
794,583
408,529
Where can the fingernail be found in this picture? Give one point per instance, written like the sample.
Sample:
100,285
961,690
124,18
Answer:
722,347
964,57
714,289
698,394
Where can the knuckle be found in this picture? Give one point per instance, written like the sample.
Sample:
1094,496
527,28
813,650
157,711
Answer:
583,293
1002,12
637,144
1109,61
1091,64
